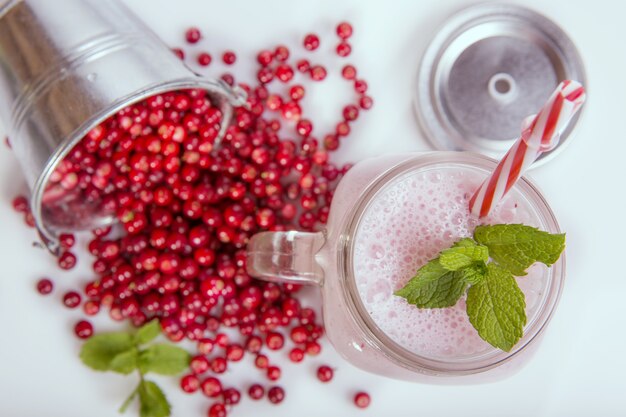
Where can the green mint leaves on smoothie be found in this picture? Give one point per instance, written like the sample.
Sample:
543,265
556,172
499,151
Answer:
516,247
496,308
487,265
125,352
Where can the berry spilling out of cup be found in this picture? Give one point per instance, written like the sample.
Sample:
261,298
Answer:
185,207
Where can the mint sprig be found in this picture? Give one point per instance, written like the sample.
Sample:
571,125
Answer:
495,303
124,352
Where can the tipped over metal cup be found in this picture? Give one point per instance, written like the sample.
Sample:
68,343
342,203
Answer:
66,66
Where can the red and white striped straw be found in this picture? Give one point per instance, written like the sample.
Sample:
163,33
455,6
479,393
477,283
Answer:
540,133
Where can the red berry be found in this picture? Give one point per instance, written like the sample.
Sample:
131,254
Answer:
179,53
44,286
199,364
274,341
231,396
344,49
265,57
303,65
296,92
217,410
67,240
229,57
204,59
193,35
83,329
366,102
360,86
256,391
318,73
71,299
344,30
281,53
311,42
296,355
276,395
67,260
348,72
20,204
324,373
211,387
362,400
190,383
273,373
284,73
261,361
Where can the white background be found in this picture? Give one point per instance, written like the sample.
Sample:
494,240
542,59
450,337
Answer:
578,370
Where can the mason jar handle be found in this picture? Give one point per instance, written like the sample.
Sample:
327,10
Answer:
286,257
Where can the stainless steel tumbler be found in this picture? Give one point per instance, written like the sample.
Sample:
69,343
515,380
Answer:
65,66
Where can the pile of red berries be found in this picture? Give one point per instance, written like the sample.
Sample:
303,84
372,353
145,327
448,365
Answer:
187,205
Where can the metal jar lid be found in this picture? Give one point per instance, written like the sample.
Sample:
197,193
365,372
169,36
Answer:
489,67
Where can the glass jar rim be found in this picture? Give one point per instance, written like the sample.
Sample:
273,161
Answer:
390,348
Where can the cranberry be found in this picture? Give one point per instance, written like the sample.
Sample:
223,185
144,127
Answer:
366,102
256,391
44,286
231,396
229,57
234,353
348,72
318,73
67,260
217,410
71,299
360,86
83,329
296,355
274,341
313,348
281,53
344,30
276,394
199,364
190,383
204,59
273,373
344,49
211,387
311,42
261,361
362,399
284,73
265,57
303,65
218,365
324,373
67,240
193,35
20,204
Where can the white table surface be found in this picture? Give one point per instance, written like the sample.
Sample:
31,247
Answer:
578,370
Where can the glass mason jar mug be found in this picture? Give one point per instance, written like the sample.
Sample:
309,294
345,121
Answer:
389,216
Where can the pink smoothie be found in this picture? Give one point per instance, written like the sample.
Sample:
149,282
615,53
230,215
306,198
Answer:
409,221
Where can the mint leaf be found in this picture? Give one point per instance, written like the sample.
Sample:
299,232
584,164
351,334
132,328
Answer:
99,351
148,332
474,273
496,308
433,287
517,246
152,401
463,254
163,359
125,362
